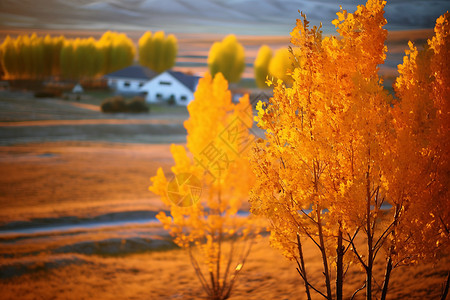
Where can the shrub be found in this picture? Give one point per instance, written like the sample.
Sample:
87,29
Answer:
47,93
137,105
114,105
118,104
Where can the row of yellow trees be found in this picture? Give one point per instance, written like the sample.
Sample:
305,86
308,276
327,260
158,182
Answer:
363,176
228,58
35,57
31,56
275,66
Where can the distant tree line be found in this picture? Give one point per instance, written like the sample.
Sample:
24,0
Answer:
276,66
88,58
228,58
27,57
38,57
34,57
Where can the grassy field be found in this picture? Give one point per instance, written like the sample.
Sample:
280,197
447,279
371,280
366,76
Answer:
168,274
62,163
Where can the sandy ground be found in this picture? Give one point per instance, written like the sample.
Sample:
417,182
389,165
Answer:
64,178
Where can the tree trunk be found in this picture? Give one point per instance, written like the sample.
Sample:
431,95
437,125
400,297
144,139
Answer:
339,266
387,275
326,272
302,263
369,240
447,283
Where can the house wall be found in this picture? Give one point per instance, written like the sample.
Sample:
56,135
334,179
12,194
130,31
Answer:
123,85
163,87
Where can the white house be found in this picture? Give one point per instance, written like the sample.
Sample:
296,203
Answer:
170,86
130,79
167,86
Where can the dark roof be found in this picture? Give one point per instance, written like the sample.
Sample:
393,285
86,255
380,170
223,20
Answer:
188,80
133,72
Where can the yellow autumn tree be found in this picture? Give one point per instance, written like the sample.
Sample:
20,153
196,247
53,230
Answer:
215,164
281,65
35,57
52,52
31,57
158,52
118,51
261,65
228,58
321,168
419,165
82,58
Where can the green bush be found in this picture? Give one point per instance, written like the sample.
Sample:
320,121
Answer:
118,104
137,105
114,105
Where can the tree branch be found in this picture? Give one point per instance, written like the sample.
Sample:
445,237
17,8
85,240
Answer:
199,273
302,265
316,290
357,291
350,242
356,253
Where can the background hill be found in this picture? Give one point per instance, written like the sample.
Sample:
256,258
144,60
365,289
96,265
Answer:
269,17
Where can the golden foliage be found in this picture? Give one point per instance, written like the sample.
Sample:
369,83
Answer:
325,133
34,57
330,166
339,162
81,58
261,65
31,57
281,65
217,141
158,52
118,51
228,58
420,178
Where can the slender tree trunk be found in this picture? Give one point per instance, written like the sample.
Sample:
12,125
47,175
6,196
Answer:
369,241
326,272
369,274
219,251
339,266
213,284
447,283
303,270
387,276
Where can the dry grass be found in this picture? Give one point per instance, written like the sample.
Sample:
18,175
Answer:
86,179
169,275
55,179
77,179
